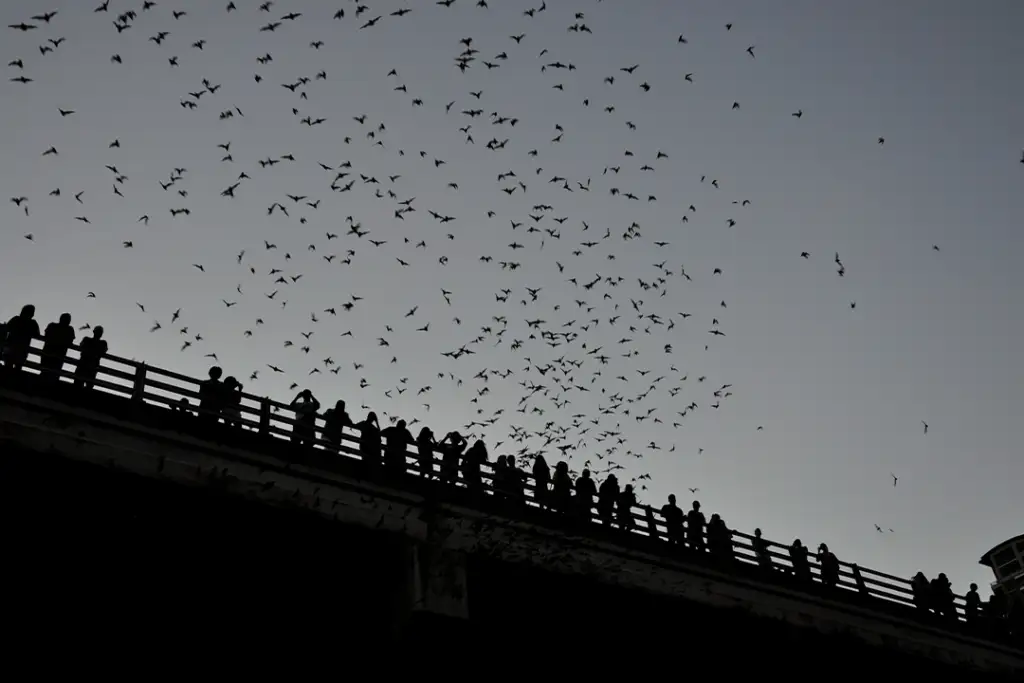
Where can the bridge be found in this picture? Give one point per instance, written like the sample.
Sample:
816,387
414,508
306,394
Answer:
119,503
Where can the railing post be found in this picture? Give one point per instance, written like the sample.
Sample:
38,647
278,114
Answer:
264,416
139,387
858,579
652,526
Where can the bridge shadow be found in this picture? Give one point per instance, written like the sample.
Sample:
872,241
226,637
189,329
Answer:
100,557
92,553
648,632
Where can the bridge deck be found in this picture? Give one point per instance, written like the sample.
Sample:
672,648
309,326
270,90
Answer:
142,394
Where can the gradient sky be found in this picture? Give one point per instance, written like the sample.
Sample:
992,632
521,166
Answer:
840,392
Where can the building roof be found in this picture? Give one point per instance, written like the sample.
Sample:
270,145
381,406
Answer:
987,557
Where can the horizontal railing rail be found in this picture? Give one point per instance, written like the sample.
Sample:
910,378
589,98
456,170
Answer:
266,417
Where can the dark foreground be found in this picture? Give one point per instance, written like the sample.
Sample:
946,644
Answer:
132,568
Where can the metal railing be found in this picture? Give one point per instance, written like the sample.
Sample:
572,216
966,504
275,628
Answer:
262,417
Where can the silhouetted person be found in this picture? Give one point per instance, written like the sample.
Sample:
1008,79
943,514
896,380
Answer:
762,552
452,446
516,479
586,490
21,330
541,481
695,527
57,340
369,440
972,605
182,407
942,596
719,539
425,447
798,558
305,406
607,496
935,595
561,488
472,465
499,478
673,515
828,566
232,409
624,508
921,590
211,397
335,420
90,353
397,440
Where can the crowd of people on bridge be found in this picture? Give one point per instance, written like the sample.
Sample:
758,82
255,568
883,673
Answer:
17,335
465,464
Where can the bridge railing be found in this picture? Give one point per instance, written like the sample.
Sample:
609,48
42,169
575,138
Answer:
263,416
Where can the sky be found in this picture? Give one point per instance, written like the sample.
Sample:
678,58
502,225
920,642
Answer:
825,403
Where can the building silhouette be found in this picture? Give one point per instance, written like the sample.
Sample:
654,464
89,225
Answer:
1006,561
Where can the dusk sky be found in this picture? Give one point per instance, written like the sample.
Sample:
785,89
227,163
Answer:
825,399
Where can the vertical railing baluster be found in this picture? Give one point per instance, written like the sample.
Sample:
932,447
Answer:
265,416
139,387
858,580
652,525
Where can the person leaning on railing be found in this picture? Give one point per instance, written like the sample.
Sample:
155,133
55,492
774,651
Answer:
607,494
57,341
673,515
232,402
798,561
720,538
425,447
21,330
762,551
828,566
211,397
305,406
335,419
542,481
90,353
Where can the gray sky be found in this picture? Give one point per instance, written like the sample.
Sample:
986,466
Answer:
840,392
